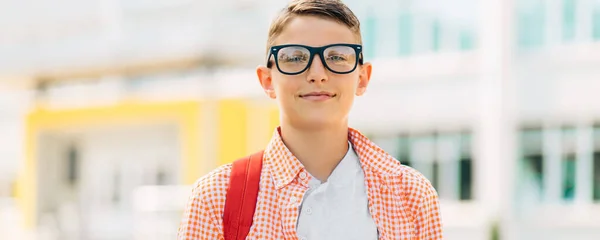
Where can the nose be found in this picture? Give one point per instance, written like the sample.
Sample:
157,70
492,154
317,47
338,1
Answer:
316,72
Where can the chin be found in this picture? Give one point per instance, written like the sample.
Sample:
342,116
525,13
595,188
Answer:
316,119
320,122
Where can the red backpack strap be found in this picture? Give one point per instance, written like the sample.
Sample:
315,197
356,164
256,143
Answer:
241,197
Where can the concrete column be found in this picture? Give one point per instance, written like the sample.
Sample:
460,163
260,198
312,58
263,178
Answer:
494,130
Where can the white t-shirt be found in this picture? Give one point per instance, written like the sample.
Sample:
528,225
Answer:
338,208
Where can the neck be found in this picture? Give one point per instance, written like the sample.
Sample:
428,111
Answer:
319,150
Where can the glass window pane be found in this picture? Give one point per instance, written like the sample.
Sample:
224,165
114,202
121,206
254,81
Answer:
568,177
466,179
447,170
530,23
369,36
568,20
404,150
466,169
422,154
435,168
531,181
596,184
406,33
568,164
436,35
534,166
596,21
466,40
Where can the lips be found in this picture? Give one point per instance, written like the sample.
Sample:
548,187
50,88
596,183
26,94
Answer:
317,96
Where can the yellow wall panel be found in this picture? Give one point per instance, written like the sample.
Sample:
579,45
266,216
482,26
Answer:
232,130
185,114
258,123
273,118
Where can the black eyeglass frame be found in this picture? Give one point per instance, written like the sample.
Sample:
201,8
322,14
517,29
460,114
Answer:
315,50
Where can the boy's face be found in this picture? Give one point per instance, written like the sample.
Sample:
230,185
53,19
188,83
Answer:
317,97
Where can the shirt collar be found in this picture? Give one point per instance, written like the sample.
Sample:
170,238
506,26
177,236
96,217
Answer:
347,168
285,167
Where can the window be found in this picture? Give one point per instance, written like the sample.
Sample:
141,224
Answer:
532,163
466,40
395,145
422,154
435,174
444,159
72,165
596,21
446,165
436,34
530,23
403,154
369,33
568,177
596,163
568,163
449,166
551,159
568,20
405,31
596,184
465,168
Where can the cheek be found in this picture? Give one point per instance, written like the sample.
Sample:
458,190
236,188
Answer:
286,87
349,86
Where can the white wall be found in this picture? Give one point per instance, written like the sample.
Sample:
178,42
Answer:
13,109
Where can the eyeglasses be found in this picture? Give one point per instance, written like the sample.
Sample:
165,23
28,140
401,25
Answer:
292,59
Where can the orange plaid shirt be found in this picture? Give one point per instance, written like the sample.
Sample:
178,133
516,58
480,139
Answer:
402,202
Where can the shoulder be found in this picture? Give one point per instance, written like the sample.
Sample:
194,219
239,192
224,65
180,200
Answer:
416,188
204,211
422,203
211,188
410,183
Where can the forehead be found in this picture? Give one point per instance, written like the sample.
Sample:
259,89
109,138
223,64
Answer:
315,31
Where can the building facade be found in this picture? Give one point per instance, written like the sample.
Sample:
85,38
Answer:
106,108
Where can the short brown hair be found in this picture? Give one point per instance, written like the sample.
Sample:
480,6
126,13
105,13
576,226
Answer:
334,10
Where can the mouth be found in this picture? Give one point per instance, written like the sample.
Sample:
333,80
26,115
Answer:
318,96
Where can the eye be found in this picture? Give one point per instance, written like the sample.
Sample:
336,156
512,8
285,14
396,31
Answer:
336,58
294,58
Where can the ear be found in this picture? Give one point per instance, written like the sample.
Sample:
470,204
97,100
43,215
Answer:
266,82
363,78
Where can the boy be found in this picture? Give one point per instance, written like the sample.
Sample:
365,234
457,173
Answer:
320,179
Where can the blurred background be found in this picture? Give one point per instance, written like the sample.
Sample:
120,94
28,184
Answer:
110,110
